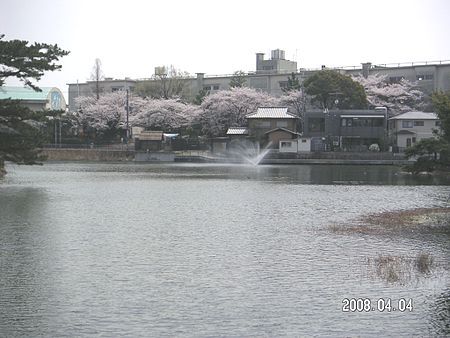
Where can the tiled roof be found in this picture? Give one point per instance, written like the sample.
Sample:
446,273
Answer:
21,93
237,131
271,113
416,115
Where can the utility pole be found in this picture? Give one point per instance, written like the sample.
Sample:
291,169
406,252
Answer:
128,113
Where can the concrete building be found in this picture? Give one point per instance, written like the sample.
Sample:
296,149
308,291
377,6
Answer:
277,64
271,76
349,130
50,98
409,128
108,85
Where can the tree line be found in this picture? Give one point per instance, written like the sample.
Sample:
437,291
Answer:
160,104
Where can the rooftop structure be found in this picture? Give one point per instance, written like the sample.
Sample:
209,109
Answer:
277,63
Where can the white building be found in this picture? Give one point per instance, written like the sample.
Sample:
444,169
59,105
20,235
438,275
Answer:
409,128
299,145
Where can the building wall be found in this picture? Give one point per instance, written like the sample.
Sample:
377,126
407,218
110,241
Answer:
288,146
278,135
304,144
89,89
430,77
420,132
295,145
258,127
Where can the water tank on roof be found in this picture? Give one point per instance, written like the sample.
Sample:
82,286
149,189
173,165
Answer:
278,54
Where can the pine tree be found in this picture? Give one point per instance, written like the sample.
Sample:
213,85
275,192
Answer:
20,133
292,84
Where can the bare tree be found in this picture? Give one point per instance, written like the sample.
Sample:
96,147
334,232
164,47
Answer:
97,76
166,83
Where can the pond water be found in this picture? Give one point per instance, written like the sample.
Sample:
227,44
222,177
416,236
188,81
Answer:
212,250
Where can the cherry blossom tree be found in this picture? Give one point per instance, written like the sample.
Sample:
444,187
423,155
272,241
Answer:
295,100
398,97
228,108
166,115
105,117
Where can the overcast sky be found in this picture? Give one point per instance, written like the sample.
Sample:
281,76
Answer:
219,37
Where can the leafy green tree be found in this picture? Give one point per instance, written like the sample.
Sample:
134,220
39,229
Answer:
202,93
441,104
293,84
238,79
330,89
20,132
434,153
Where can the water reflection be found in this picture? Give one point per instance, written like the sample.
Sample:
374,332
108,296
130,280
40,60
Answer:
206,250
440,314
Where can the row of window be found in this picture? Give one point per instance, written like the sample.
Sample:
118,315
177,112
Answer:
212,87
266,124
317,124
116,89
411,124
420,77
424,77
362,122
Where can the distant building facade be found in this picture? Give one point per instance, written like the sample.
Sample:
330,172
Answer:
50,98
271,76
108,85
349,130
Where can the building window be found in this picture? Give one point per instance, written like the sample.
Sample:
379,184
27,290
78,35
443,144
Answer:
316,124
396,79
303,140
116,89
263,124
408,142
283,84
282,124
216,87
437,123
413,140
407,124
207,87
286,144
418,123
424,77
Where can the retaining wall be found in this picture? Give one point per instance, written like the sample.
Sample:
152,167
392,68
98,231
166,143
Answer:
88,155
